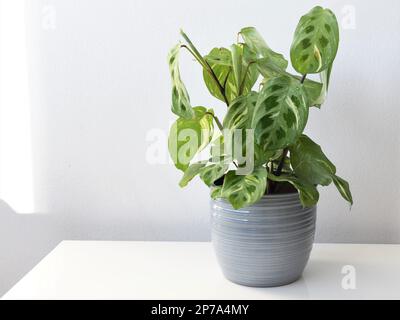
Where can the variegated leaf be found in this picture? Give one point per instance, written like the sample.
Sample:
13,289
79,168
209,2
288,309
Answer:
220,61
258,45
343,187
315,42
243,191
189,136
214,171
240,112
191,172
234,70
180,97
315,90
280,114
216,192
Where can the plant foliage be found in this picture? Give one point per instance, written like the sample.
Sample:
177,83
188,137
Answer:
260,144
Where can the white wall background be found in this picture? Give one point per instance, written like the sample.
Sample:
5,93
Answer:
100,84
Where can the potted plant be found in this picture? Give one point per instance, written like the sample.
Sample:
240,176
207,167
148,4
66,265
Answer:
263,171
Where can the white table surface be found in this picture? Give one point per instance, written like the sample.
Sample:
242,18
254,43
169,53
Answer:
189,270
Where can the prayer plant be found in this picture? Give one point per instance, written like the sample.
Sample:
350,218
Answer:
259,148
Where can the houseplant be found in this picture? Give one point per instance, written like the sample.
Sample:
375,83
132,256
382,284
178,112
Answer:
263,171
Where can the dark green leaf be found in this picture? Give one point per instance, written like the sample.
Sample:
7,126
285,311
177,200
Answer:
343,187
308,192
310,163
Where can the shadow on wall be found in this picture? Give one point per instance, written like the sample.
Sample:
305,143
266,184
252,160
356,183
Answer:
20,246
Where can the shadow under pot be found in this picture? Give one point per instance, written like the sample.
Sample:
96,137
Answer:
266,244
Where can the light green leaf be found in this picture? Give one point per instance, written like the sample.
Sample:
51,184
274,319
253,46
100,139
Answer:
220,61
191,172
308,193
189,136
216,192
310,163
258,45
235,71
315,90
280,114
244,68
240,112
325,77
237,63
214,171
343,187
315,42
217,149
239,118
180,97
269,70
243,191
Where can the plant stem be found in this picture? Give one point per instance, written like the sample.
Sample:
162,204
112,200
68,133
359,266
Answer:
208,68
303,78
244,77
219,124
282,162
220,87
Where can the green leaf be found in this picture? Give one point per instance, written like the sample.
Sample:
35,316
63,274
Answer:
217,149
235,71
250,72
237,64
216,192
258,45
269,70
220,61
239,117
280,114
244,68
189,136
315,42
191,172
308,193
214,171
180,97
243,191
240,112
310,163
315,90
343,187
325,77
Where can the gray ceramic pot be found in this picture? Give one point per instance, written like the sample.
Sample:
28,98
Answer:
264,245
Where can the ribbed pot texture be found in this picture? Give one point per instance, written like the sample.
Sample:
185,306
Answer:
264,245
